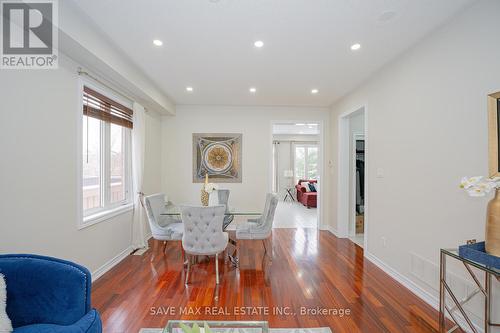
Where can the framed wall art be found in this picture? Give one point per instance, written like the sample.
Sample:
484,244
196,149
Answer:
219,156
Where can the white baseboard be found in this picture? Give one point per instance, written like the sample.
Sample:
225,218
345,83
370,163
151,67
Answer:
415,288
111,263
333,231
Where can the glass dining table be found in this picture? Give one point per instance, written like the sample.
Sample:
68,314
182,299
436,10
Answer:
175,211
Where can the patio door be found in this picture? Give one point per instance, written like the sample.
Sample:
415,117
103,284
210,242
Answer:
306,161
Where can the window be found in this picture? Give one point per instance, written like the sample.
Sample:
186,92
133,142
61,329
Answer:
106,139
306,162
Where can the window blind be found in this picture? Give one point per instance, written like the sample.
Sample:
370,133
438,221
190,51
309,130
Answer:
98,106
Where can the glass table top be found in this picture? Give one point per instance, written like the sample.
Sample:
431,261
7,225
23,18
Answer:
454,253
173,210
173,326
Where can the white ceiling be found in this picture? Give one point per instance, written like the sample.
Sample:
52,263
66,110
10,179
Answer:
208,44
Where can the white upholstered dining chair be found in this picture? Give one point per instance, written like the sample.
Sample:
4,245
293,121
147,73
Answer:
203,235
163,228
261,228
221,197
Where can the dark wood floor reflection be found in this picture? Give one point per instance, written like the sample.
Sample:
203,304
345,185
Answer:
311,270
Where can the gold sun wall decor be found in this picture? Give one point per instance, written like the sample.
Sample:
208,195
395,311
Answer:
218,156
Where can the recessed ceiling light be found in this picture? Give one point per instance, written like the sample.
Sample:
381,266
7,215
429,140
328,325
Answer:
259,43
157,42
314,91
253,90
189,89
355,47
300,124
387,16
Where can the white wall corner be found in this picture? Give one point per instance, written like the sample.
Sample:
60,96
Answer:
332,230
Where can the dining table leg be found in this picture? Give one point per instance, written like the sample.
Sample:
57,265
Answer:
233,257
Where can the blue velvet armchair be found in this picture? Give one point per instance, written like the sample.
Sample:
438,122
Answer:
48,295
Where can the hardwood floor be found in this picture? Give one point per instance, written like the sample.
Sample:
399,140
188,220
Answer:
310,269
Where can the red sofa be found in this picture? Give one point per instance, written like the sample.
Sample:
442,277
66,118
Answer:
308,199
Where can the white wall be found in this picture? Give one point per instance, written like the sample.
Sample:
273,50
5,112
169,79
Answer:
255,125
427,127
38,170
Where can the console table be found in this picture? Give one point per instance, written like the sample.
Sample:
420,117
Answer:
444,288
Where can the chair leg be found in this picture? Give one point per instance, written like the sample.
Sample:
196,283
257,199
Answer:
188,268
153,250
183,255
217,268
164,247
268,243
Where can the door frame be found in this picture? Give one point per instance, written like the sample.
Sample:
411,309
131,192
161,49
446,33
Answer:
344,167
320,225
352,220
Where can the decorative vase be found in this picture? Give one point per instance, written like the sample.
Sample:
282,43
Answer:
204,197
492,239
204,194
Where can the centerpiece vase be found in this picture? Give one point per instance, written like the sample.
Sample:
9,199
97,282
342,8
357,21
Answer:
492,239
204,196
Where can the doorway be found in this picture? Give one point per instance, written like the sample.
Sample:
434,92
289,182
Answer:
296,173
352,198
357,209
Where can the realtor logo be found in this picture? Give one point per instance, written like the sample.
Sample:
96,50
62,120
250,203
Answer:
29,34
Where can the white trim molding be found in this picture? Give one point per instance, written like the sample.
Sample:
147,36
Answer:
344,170
105,215
111,263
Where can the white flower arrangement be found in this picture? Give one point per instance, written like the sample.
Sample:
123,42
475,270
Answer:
479,186
210,187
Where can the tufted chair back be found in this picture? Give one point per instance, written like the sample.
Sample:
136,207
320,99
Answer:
162,227
221,197
266,225
154,205
203,233
261,228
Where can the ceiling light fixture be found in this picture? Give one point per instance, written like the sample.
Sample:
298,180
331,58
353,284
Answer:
314,91
189,89
253,90
157,42
387,16
355,47
300,124
259,44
